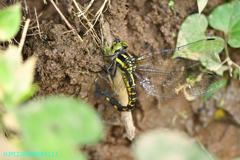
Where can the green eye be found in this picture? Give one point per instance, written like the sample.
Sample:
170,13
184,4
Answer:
124,44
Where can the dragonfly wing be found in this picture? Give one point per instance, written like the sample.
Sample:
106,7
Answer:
176,84
201,50
163,59
109,83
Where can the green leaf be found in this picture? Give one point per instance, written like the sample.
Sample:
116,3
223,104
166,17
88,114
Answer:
171,3
10,19
15,87
226,18
13,57
159,144
201,5
209,94
59,124
192,30
23,84
28,93
6,78
236,73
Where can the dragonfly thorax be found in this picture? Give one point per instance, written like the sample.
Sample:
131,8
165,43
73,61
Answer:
126,62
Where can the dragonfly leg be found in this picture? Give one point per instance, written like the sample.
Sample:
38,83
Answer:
111,64
103,68
115,70
108,55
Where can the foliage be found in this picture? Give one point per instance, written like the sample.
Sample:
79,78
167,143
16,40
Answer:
162,144
193,29
10,19
59,124
14,87
171,5
226,18
201,5
209,94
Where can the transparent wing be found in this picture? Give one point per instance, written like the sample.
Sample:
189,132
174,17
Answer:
163,59
110,84
176,84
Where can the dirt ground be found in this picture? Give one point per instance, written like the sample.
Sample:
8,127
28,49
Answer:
64,66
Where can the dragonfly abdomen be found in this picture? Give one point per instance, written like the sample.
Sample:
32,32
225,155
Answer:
129,81
127,66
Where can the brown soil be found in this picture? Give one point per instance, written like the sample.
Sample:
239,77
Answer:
64,66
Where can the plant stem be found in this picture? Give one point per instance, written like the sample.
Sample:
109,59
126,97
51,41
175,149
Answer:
225,46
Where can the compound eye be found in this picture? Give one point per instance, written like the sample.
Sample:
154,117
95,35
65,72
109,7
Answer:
124,44
117,41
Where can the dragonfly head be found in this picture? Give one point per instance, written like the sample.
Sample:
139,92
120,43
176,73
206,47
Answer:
118,45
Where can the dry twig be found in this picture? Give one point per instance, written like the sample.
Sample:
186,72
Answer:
69,25
100,11
122,93
23,35
39,32
91,29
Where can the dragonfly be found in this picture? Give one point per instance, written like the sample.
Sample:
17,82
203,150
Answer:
161,73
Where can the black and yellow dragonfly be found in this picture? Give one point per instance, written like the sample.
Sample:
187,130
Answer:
160,74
